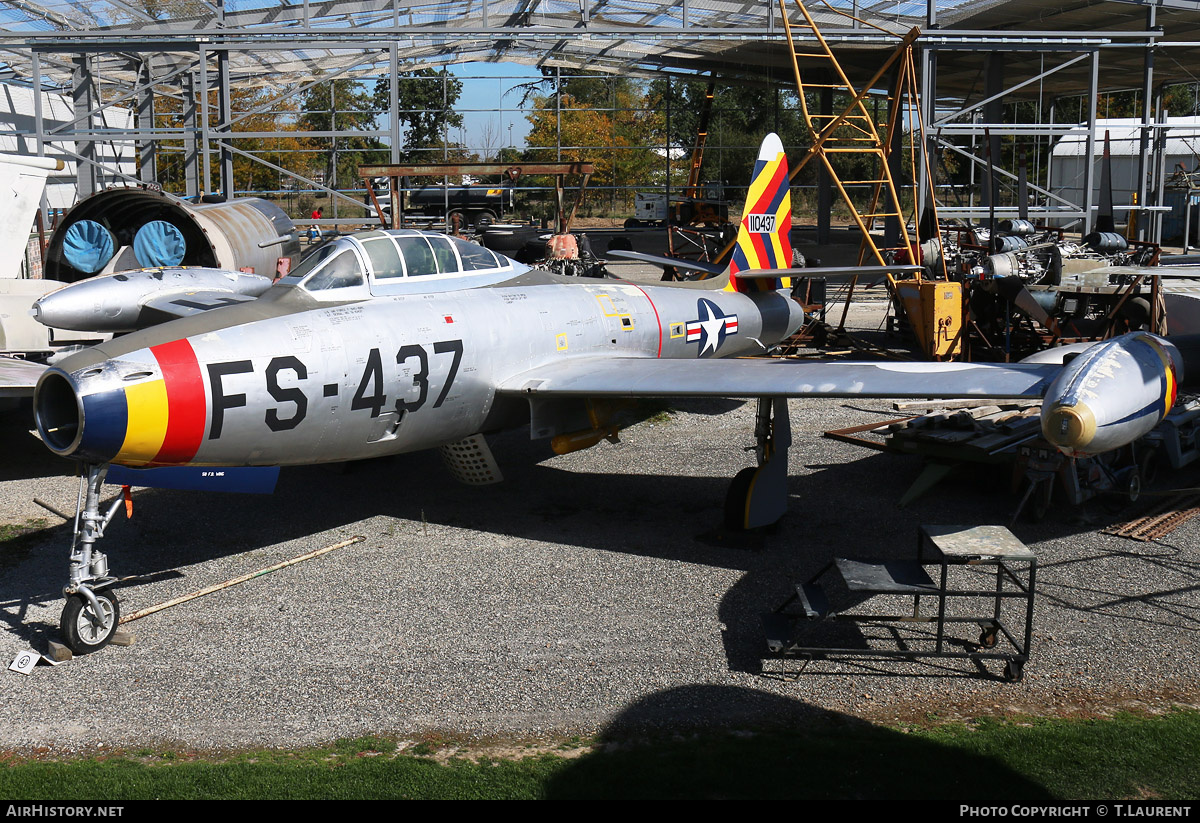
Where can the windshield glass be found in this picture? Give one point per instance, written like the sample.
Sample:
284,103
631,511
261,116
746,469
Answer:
310,263
341,271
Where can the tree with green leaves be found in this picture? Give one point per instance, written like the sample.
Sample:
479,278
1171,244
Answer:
741,116
342,105
601,119
426,100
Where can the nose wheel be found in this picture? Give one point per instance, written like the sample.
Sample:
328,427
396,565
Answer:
87,626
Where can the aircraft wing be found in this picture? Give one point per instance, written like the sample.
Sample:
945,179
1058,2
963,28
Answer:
755,377
161,308
18,377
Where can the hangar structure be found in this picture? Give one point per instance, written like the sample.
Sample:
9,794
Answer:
991,68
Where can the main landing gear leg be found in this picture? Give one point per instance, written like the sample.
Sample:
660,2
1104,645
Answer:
758,495
91,614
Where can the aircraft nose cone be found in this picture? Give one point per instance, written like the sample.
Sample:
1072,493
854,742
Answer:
1069,427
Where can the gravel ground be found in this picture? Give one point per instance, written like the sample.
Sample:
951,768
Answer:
585,595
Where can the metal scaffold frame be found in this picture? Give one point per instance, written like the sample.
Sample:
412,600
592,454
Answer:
115,56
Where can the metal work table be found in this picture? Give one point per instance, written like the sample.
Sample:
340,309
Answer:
941,547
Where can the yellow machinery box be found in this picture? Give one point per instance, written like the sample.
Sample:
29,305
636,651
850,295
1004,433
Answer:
934,309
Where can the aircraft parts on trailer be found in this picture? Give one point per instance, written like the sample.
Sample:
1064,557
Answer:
134,228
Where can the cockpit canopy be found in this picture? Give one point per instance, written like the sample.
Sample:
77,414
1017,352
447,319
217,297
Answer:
399,261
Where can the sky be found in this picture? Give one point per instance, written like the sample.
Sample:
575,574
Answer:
490,103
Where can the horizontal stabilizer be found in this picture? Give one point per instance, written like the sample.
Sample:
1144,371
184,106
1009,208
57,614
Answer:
663,260
246,479
840,273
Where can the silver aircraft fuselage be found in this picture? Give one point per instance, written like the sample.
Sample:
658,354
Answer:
386,366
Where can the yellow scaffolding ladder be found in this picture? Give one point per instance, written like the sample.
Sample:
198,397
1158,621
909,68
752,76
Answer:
852,134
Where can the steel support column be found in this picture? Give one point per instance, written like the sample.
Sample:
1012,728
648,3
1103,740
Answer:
891,224
83,101
993,112
1160,164
394,100
926,160
144,122
1145,139
1089,167
205,134
224,115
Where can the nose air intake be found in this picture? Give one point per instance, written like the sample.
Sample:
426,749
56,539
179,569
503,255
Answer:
58,412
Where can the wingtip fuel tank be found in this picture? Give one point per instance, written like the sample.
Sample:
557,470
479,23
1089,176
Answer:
1111,394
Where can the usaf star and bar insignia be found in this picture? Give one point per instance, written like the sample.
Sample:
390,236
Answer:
710,328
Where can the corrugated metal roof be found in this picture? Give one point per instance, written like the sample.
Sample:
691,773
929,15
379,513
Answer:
297,41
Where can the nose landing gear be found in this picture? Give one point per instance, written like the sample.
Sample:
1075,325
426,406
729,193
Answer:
91,615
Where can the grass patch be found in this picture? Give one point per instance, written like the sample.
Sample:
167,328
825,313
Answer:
17,540
1124,757
17,532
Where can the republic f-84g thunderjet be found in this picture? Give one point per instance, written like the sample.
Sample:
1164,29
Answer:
396,341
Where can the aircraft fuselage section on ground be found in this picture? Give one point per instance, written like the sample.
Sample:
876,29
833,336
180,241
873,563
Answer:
290,380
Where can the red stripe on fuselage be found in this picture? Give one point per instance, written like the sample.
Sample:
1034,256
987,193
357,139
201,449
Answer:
187,407
657,319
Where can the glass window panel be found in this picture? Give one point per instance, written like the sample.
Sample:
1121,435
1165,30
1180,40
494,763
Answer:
385,258
418,257
309,263
475,257
447,262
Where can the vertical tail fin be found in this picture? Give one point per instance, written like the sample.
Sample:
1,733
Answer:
762,240
1105,219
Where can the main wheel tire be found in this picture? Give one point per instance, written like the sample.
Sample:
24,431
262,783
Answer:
738,498
1133,486
1148,467
84,630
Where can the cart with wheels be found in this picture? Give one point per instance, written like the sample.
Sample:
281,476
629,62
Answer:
961,559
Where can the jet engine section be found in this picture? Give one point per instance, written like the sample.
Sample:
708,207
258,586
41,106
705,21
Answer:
124,229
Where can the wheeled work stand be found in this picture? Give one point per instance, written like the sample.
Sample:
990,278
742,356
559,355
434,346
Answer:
943,548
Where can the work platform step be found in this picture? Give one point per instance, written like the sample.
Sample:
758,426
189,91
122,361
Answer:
779,630
885,576
812,599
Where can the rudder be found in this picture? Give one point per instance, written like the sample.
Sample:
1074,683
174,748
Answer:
762,240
